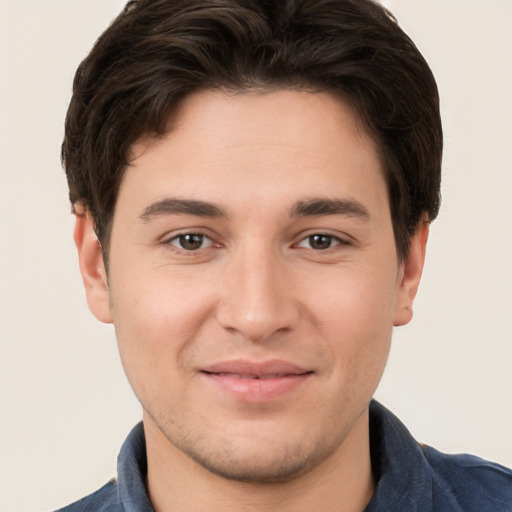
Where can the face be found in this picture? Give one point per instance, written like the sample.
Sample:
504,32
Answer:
254,282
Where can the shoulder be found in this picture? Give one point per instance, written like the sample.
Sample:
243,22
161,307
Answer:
413,477
128,491
472,482
104,499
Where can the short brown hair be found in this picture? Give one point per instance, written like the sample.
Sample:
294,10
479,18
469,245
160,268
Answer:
156,52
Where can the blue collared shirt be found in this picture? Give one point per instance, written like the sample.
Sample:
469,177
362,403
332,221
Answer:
410,477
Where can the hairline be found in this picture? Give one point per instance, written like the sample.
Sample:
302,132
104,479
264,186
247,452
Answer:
362,126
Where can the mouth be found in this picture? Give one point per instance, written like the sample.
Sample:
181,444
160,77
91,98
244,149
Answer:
252,375
256,382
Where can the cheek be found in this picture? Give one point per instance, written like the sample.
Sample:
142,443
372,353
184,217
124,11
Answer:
354,313
158,300
354,300
156,318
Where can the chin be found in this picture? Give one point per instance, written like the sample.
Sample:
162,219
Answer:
257,459
257,468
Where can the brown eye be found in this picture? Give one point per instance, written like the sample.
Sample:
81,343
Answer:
320,242
190,241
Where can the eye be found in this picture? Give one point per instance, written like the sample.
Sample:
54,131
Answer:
191,241
320,242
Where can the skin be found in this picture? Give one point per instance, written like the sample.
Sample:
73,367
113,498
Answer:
255,287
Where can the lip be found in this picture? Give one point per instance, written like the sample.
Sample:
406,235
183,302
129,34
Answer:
252,381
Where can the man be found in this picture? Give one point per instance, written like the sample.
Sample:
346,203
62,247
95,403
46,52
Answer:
253,183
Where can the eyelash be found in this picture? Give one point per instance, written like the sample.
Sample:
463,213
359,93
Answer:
179,240
182,236
330,238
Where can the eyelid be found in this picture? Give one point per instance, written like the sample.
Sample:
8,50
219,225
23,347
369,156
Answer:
335,241
169,238
340,238
205,238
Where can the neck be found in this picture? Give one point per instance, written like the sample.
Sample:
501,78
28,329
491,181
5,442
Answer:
343,482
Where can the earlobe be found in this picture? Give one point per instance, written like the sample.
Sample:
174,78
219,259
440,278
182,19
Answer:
92,268
410,276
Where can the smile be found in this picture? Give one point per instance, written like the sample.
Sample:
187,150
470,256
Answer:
253,376
256,382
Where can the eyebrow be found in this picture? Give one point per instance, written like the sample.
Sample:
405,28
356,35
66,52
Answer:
320,206
308,208
173,206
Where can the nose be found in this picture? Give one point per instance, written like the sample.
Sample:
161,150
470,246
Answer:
257,297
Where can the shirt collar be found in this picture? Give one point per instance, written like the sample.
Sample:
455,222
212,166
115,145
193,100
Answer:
132,469
403,475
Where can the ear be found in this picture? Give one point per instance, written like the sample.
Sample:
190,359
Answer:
92,267
410,275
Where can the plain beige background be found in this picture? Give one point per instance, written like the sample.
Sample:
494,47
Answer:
65,405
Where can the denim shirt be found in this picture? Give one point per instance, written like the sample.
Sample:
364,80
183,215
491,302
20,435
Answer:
410,477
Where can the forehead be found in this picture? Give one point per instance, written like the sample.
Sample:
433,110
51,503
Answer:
254,117
289,140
